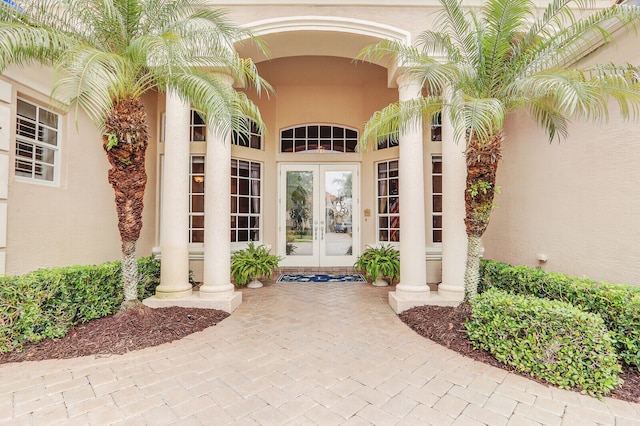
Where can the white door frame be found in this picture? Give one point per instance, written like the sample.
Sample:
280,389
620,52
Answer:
320,230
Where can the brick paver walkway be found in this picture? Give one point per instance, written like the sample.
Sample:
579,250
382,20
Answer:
328,354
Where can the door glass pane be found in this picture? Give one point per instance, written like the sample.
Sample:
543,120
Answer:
300,221
337,224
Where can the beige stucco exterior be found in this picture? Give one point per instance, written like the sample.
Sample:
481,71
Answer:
73,220
575,202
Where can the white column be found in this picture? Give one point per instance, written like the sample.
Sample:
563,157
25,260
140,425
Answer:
454,235
217,287
412,289
6,97
174,219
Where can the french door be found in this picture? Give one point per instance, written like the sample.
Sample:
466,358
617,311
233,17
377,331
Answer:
318,214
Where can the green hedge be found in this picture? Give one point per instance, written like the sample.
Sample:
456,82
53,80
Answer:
617,304
46,302
549,339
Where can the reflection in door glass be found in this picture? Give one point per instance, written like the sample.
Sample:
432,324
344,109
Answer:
301,229
337,224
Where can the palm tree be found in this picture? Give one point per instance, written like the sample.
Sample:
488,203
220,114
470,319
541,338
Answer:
106,54
505,57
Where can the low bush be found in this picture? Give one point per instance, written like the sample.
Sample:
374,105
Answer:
551,340
617,304
45,303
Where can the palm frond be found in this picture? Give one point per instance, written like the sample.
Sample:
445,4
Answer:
567,44
436,43
390,50
481,116
569,90
619,82
21,44
453,22
550,119
93,79
398,117
503,18
224,108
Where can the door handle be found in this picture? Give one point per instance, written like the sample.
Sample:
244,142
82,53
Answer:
322,229
315,230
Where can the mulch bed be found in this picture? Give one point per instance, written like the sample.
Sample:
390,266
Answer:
144,327
445,326
123,332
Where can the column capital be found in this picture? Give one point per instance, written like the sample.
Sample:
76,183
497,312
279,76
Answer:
225,77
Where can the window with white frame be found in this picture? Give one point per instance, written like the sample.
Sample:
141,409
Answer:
37,142
388,201
388,142
436,127
252,140
196,197
246,200
436,191
246,208
197,127
198,132
318,138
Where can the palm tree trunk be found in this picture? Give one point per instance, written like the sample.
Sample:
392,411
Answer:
482,166
125,141
129,271
472,269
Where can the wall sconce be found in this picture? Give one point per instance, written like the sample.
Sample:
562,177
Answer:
198,179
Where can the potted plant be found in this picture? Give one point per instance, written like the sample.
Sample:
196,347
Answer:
250,264
379,262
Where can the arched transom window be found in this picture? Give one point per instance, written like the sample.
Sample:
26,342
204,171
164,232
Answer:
318,138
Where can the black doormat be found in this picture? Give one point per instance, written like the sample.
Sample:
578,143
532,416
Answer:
321,278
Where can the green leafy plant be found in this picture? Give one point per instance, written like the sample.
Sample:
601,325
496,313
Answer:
379,262
551,340
617,304
45,303
480,187
112,140
252,263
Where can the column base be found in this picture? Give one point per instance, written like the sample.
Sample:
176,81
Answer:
228,304
401,301
408,296
452,293
173,292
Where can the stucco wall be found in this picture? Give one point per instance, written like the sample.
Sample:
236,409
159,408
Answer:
73,222
576,201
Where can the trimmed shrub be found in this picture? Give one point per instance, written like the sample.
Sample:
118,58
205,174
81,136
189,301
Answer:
45,303
617,304
550,340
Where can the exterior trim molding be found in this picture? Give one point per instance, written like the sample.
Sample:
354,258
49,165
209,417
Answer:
329,23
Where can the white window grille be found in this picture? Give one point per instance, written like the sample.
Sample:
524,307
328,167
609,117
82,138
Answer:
318,138
246,200
37,142
388,201
436,191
